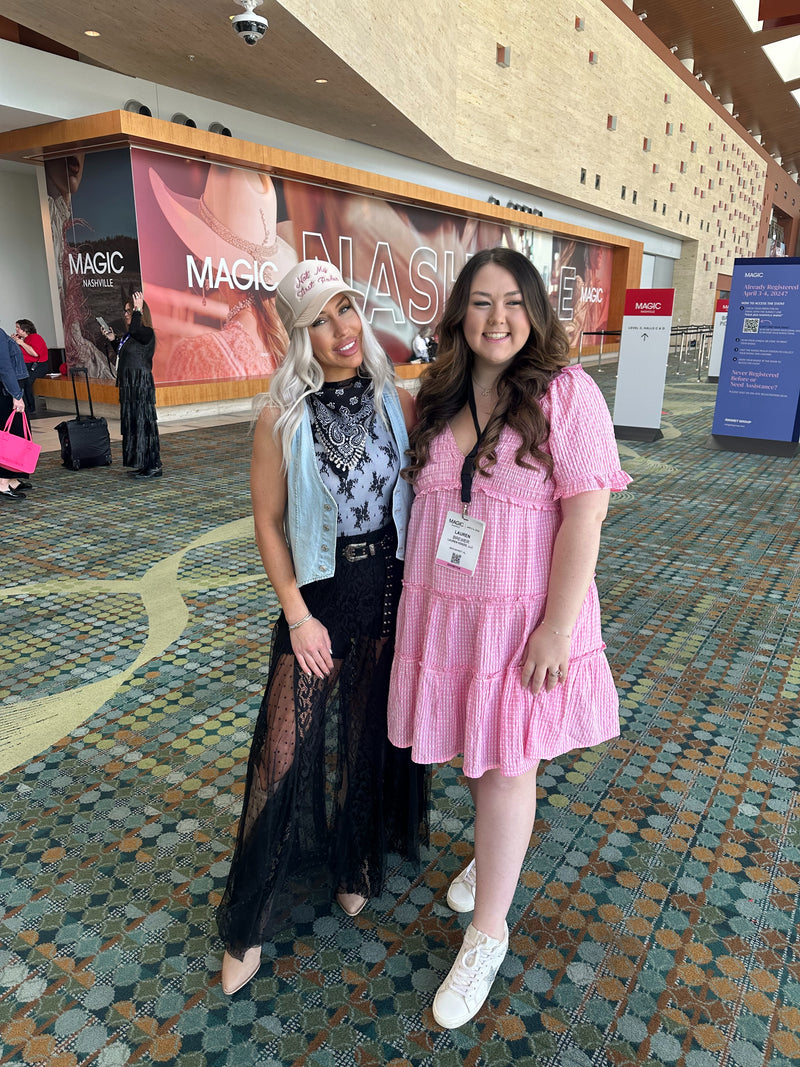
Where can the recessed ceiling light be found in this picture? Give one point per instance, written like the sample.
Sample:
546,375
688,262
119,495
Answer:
321,81
91,33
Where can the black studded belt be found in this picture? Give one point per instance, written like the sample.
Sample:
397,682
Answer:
355,551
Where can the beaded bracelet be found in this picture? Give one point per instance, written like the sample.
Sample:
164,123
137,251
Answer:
300,622
561,633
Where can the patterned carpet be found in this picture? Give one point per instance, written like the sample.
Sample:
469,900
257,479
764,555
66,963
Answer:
657,920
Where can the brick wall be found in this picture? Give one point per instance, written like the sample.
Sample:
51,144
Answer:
542,122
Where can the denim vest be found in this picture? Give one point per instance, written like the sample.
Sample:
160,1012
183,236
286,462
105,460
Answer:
311,510
12,366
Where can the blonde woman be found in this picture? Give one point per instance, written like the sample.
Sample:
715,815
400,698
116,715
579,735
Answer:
327,795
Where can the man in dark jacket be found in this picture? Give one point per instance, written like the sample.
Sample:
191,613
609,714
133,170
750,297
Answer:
12,376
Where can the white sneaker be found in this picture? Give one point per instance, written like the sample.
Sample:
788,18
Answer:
466,987
461,894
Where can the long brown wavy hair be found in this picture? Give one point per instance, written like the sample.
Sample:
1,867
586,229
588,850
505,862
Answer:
446,383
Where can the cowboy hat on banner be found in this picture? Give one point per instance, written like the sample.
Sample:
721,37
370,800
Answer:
234,218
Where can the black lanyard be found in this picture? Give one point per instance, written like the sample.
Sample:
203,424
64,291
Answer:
468,466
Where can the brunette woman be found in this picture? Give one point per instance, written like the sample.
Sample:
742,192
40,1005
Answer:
499,655
141,447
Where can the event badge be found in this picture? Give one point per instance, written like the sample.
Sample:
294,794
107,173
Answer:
460,543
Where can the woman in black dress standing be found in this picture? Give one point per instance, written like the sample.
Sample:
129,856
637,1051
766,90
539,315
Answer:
137,390
326,797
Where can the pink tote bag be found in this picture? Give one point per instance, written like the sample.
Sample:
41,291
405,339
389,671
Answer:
18,453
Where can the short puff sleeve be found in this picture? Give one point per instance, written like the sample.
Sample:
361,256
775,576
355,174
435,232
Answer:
581,441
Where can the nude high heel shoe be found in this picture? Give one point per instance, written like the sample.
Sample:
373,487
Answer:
352,904
237,973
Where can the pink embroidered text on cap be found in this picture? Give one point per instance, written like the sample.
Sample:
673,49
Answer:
322,275
304,291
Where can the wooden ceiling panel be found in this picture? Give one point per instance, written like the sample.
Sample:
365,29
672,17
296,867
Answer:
155,41
730,57
194,49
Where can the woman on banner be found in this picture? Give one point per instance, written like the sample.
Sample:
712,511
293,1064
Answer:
327,796
499,653
412,243
234,221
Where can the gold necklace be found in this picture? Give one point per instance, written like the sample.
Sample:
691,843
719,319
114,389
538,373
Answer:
484,392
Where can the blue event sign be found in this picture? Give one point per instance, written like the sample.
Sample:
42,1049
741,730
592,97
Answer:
759,380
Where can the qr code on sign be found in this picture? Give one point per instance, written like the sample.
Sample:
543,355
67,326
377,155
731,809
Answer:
750,326
455,559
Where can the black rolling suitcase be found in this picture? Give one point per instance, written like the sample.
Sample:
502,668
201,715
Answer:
85,441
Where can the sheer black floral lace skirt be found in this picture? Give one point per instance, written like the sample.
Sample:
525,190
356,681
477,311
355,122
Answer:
138,419
327,796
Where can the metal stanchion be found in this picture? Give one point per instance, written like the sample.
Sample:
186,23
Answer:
682,339
602,334
704,349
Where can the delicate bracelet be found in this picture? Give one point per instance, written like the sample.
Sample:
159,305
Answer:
561,633
300,622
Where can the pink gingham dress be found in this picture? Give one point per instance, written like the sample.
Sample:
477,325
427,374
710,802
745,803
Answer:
455,685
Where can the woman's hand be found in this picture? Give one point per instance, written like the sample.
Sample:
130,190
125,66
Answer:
311,645
546,660
571,570
19,404
138,301
108,333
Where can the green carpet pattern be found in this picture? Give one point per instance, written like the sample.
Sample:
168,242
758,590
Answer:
656,922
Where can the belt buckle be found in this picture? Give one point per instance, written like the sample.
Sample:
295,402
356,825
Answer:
355,553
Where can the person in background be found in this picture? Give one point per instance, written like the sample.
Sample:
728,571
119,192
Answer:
12,378
36,356
433,346
141,447
499,653
327,796
419,346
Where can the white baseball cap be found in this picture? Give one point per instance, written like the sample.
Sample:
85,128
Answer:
306,289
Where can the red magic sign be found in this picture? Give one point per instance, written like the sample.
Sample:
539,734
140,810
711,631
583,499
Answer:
718,339
649,302
643,351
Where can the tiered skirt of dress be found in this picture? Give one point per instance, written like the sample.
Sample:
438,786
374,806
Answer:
456,686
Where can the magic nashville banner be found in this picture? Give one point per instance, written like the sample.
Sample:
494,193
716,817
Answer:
93,232
208,244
